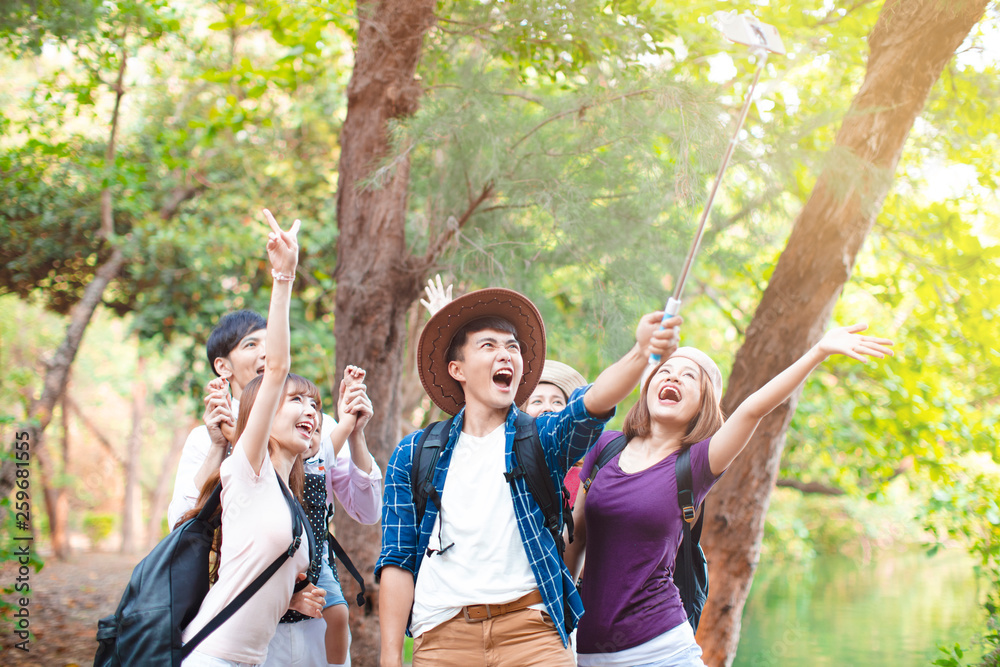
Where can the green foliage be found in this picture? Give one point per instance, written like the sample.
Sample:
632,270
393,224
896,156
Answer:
98,527
557,115
964,506
558,42
26,24
801,527
201,129
953,656
8,554
50,208
26,339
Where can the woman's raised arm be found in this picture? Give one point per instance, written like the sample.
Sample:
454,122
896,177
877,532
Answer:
735,433
283,251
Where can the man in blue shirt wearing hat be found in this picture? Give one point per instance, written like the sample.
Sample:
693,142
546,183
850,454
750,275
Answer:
492,588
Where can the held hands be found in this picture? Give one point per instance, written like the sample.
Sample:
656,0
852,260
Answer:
652,339
218,416
282,248
437,296
309,601
354,402
849,342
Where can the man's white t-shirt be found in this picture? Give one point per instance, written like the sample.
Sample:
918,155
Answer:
487,564
196,449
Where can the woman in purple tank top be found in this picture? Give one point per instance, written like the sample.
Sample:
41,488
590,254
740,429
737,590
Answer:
628,522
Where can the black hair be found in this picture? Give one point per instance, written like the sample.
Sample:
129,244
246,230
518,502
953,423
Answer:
479,324
227,334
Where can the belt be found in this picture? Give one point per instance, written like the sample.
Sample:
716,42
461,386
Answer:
476,613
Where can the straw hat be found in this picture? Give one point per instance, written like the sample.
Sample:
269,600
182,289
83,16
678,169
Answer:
565,377
432,350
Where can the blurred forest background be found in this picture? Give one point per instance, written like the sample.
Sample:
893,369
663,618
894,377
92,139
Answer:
563,149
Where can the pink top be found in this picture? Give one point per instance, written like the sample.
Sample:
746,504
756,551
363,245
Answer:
359,492
256,528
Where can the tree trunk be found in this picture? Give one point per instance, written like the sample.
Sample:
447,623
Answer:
160,497
132,505
59,523
50,494
40,413
377,278
54,494
911,43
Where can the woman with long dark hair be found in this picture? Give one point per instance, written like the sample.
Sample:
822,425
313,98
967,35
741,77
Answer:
279,413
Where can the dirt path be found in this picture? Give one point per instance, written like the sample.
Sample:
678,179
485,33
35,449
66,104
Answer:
66,600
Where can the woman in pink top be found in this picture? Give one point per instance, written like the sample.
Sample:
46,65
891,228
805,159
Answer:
278,415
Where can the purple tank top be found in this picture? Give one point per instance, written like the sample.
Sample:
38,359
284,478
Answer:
634,527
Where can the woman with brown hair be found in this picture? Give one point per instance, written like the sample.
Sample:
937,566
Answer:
278,416
627,515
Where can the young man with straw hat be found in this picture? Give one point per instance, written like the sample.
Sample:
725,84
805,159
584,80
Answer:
491,583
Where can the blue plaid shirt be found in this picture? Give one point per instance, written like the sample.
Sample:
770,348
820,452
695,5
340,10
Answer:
566,436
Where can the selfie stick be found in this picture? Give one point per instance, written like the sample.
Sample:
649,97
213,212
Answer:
760,49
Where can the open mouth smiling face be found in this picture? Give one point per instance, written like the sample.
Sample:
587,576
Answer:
503,378
675,382
306,427
491,368
670,393
299,414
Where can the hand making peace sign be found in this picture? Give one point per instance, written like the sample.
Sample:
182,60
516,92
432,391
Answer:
282,247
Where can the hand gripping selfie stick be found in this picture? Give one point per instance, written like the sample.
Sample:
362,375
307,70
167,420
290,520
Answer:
761,38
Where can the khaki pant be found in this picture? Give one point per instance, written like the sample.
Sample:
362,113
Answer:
518,639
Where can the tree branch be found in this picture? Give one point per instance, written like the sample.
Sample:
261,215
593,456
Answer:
726,311
817,487
810,487
831,18
437,246
177,197
577,110
73,406
718,227
107,216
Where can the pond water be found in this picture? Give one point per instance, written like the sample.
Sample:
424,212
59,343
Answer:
894,610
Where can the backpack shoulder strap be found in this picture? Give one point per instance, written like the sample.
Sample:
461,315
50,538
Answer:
212,504
424,463
335,548
685,494
257,583
531,464
610,451
688,586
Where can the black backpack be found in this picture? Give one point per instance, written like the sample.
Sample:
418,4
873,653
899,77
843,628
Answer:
690,560
167,588
531,465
